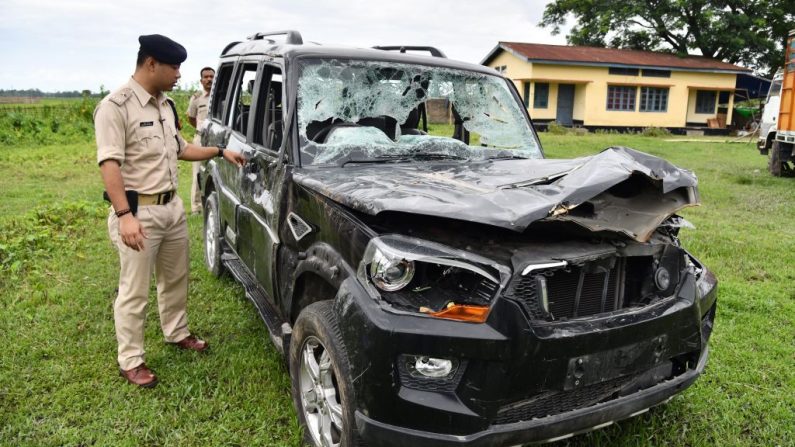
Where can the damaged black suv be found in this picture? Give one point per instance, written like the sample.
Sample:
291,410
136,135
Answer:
438,284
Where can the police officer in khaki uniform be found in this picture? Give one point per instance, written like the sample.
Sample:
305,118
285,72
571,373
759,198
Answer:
137,150
197,113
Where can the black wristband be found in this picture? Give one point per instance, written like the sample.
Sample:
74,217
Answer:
123,212
220,152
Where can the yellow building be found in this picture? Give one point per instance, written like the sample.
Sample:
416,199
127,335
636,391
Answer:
614,88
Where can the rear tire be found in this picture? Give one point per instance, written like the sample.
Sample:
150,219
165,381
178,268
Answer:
213,246
321,382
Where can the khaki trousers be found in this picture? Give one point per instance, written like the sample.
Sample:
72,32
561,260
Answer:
166,254
195,194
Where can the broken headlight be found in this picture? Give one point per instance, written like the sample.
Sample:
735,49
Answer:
390,273
420,276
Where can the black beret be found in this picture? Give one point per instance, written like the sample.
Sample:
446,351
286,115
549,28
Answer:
163,49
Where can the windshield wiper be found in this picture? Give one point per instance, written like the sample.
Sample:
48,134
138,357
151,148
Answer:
401,158
436,156
383,159
507,157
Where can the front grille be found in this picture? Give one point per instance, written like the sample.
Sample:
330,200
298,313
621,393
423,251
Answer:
525,290
557,402
582,290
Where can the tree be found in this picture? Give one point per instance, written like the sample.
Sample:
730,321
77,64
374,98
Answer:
751,33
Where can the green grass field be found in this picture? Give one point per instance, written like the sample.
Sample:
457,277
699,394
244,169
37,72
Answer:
58,380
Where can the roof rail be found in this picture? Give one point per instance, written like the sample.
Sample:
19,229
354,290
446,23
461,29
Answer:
435,52
293,37
229,47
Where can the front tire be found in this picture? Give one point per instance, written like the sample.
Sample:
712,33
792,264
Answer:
322,390
780,157
774,161
213,246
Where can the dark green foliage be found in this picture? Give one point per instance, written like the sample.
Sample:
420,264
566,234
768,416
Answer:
751,33
68,121
27,240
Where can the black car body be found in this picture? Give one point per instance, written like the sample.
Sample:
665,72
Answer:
445,290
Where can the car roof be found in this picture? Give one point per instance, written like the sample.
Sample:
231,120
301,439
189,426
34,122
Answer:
267,47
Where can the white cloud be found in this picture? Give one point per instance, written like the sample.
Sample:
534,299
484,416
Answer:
74,45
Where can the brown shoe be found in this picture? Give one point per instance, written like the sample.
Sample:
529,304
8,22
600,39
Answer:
192,343
140,375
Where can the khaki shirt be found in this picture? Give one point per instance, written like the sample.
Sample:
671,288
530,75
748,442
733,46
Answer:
198,107
137,130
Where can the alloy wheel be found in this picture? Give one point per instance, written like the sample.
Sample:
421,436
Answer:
319,397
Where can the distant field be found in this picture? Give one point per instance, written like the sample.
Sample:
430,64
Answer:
57,120
58,273
15,102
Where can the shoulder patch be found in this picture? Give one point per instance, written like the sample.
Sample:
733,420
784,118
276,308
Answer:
121,96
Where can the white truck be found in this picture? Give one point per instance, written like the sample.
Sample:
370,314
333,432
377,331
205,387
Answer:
767,124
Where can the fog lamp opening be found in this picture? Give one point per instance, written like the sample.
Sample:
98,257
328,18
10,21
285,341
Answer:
432,367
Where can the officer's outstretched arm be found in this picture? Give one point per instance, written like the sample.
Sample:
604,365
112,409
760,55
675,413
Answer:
193,152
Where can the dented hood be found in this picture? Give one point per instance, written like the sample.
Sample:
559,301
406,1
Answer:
619,189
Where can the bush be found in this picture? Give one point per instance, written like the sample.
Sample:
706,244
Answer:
557,129
655,132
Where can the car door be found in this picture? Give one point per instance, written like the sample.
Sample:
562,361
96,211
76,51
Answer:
238,122
231,129
262,180
216,133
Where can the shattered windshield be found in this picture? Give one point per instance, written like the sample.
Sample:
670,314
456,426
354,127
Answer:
367,111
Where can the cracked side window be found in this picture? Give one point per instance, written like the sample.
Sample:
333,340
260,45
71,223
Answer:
242,99
364,110
269,125
220,90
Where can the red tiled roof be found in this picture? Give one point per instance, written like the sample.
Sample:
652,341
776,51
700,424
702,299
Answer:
607,56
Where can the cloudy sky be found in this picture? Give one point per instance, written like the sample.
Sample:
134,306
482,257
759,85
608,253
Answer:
84,44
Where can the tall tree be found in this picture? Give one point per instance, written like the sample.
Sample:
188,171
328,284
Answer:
751,33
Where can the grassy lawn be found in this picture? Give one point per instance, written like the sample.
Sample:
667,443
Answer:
58,378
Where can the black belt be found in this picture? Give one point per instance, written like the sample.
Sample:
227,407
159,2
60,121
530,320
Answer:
156,199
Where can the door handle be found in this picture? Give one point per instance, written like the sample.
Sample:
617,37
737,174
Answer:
252,165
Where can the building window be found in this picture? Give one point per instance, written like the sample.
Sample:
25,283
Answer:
705,101
623,71
653,99
621,97
501,69
541,96
656,73
526,91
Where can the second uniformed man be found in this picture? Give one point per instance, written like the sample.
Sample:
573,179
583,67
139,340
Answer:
137,150
197,113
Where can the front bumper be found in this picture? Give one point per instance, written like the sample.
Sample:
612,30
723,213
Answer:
552,428
761,144
509,361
